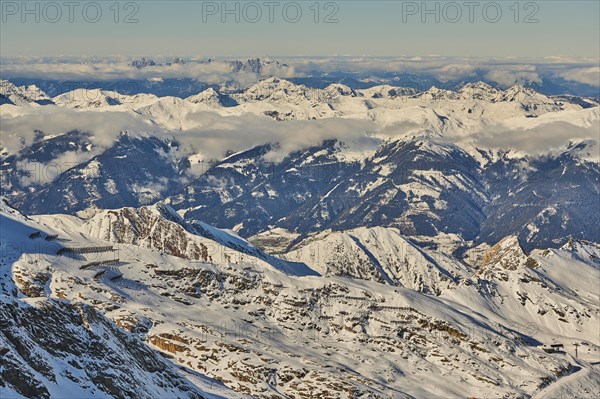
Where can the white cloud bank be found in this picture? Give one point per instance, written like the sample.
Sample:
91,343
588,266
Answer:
504,71
589,76
213,136
511,74
208,72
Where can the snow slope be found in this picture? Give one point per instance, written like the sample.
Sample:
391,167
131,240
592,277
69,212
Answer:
268,334
161,228
553,292
53,347
380,254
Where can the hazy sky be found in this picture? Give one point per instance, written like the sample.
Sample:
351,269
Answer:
565,28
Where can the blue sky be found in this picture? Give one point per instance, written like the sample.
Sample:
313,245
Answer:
195,28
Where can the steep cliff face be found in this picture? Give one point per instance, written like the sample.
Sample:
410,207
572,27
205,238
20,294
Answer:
53,345
53,349
148,227
159,227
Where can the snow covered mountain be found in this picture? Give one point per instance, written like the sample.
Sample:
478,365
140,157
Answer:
430,167
134,171
427,188
382,255
161,228
16,95
265,333
553,194
52,347
275,96
550,290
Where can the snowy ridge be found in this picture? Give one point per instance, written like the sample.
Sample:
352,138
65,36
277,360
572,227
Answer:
160,227
554,291
284,100
421,171
264,333
54,347
379,254
21,96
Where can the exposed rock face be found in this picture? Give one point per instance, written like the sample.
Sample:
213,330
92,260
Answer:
53,348
147,227
260,331
142,63
23,95
540,285
507,254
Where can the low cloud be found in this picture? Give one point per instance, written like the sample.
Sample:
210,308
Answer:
589,76
104,126
511,74
213,136
218,135
539,140
208,72
455,72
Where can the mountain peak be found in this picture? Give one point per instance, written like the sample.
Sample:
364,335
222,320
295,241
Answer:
87,98
480,91
274,88
340,89
209,96
519,88
507,254
530,100
258,66
21,95
274,80
436,93
583,149
584,251
142,63
478,85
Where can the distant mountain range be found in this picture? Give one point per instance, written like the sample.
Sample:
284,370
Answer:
236,73
428,179
286,240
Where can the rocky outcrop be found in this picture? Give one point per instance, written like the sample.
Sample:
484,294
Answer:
55,347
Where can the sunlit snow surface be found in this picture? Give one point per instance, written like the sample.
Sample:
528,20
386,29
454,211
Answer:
261,331
357,302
